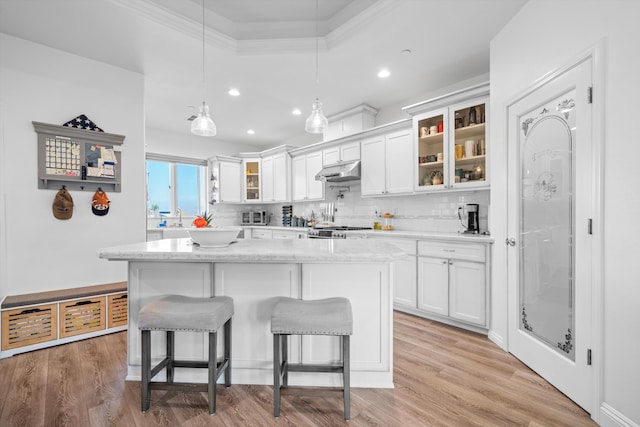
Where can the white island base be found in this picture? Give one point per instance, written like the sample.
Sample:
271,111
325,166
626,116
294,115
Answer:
366,280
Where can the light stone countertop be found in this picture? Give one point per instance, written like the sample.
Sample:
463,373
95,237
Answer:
259,250
409,234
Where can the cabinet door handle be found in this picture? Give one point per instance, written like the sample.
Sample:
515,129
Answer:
450,262
510,241
444,262
449,250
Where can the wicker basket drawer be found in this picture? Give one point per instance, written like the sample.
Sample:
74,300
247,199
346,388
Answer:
118,309
82,316
26,326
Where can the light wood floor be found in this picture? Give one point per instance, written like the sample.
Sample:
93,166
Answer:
443,377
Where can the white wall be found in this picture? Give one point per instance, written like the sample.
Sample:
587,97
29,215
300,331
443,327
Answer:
40,252
542,37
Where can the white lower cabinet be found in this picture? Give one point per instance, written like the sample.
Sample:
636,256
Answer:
261,234
452,281
405,273
433,285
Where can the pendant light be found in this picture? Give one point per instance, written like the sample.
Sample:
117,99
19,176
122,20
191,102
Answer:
203,125
316,122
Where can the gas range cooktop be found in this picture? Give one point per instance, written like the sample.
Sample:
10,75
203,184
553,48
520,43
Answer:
333,232
346,228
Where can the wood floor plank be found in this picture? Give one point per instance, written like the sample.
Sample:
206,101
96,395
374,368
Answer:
443,376
24,405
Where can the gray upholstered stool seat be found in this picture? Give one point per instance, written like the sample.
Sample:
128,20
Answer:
331,316
173,313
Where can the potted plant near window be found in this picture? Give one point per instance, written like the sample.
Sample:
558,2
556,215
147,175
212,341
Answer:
154,209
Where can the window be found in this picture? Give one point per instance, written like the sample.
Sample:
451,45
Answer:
176,183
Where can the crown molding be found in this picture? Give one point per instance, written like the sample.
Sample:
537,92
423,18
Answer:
168,18
229,40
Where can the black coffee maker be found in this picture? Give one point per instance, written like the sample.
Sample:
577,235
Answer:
473,226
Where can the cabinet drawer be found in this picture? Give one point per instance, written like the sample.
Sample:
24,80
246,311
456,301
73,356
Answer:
26,326
82,316
451,250
408,246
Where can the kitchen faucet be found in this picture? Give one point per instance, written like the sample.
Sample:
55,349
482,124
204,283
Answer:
180,216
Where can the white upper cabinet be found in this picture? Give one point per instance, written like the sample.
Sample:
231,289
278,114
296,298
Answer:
275,178
252,180
304,169
226,181
387,164
341,153
451,145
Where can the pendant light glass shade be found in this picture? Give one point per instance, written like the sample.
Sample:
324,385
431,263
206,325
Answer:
316,122
203,125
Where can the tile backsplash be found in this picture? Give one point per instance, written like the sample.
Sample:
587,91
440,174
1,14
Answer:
418,212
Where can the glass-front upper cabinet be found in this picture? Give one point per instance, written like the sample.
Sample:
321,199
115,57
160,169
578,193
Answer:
251,180
432,149
469,148
451,146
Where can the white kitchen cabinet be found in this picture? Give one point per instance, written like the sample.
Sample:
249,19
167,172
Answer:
252,180
433,286
467,289
261,234
341,153
451,145
275,173
452,281
304,169
279,234
387,164
405,291
226,180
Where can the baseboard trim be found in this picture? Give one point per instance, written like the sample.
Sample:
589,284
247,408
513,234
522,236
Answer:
497,340
610,417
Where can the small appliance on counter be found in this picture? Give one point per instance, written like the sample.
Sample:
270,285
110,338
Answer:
473,225
255,218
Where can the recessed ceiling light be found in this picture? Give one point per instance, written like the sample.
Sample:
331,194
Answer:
296,112
384,73
234,92
251,132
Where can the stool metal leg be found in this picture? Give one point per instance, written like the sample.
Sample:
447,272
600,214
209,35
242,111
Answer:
170,335
213,371
227,352
276,374
346,375
145,393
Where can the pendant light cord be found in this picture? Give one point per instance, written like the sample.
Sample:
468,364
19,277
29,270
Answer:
203,80
317,74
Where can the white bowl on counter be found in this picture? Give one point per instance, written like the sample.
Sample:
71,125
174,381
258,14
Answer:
214,237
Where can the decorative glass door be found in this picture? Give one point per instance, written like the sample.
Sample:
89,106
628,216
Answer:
547,224
550,202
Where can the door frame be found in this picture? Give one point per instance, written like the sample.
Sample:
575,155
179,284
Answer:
594,54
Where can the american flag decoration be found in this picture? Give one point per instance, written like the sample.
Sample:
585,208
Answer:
83,122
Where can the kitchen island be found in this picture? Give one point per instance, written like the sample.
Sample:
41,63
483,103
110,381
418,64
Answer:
255,273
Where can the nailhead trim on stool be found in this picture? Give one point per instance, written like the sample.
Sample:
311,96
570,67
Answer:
331,316
173,313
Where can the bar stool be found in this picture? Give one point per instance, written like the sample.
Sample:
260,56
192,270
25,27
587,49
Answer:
173,313
331,316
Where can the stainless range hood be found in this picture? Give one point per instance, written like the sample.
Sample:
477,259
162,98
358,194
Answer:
339,172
